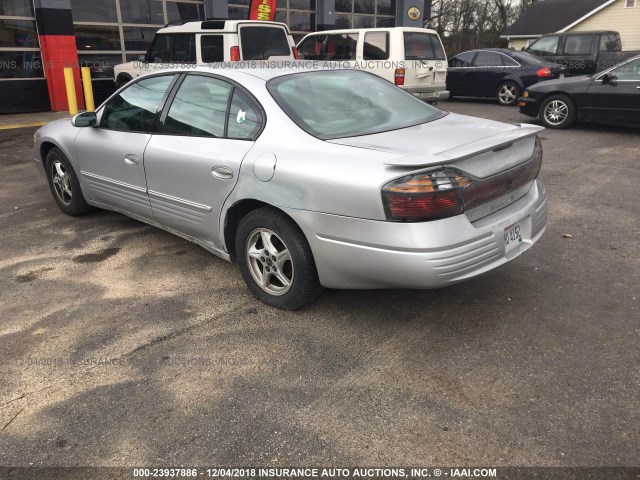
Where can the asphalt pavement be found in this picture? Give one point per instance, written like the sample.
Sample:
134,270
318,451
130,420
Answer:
123,345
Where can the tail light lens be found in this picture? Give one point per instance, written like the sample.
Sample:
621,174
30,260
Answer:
447,192
235,54
399,76
544,72
296,54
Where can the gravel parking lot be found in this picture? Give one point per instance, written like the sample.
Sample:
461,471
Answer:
124,345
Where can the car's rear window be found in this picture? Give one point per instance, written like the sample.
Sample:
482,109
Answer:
260,43
423,46
347,103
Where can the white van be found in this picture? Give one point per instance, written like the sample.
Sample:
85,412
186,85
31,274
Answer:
412,58
211,41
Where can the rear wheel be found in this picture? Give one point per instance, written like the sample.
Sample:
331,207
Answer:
276,261
64,184
558,111
508,93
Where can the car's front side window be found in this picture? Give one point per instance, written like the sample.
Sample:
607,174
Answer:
462,60
627,72
311,47
161,49
545,46
135,108
199,108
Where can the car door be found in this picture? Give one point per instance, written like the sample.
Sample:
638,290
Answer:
111,154
619,97
425,61
192,163
486,73
459,67
576,54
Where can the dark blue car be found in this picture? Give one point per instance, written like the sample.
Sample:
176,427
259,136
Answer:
497,73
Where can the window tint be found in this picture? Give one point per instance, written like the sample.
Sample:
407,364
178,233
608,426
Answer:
337,110
199,108
244,118
544,46
184,49
578,44
488,59
422,46
462,60
134,109
628,71
509,62
609,42
311,48
260,43
376,46
160,50
212,48
341,47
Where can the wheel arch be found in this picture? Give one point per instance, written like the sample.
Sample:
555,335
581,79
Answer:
234,215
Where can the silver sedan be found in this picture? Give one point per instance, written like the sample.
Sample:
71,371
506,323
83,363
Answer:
305,178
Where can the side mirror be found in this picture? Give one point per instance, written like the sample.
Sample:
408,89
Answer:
142,58
85,119
609,80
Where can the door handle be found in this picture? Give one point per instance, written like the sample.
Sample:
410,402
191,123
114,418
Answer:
131,159
224,173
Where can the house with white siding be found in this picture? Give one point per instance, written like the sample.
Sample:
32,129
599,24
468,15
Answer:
560,16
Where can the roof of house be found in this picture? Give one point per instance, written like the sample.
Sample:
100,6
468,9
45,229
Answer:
549,16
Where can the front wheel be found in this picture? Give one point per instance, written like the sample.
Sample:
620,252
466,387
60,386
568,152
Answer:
508,94
276,261
558,111
64,184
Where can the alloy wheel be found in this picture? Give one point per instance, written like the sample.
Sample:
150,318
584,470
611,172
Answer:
61,182
507,94
269,261
556,112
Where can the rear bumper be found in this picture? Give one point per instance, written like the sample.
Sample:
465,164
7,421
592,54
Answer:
354,253
529,106
429,95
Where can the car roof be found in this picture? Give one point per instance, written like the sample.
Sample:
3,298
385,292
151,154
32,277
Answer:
380,29
504,51
218,26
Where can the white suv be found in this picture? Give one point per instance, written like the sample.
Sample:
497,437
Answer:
412,58
211,41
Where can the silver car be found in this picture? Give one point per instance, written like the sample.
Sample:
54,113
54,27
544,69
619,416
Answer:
305,178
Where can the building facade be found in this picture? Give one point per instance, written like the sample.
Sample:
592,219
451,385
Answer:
39,37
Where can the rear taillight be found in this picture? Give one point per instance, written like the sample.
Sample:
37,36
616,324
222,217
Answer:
425,196
399,76
446,192
296,54
544,72
235,54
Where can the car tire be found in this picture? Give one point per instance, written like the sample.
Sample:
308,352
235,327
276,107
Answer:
508,93
558,111
64,184
267,230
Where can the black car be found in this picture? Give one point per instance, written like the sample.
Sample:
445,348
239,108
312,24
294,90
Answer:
612,95
497,73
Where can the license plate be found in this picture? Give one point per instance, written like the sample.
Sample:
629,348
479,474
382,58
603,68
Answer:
514,236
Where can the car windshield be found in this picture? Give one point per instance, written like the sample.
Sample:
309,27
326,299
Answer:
347,103
530,59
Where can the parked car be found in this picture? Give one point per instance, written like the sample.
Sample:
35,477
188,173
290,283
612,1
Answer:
211,41
610,96
358,185
582,53
497,73
412,58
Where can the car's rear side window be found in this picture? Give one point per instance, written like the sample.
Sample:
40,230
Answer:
260,43
423,46
341,46
173,48
212,48
578,44
376,46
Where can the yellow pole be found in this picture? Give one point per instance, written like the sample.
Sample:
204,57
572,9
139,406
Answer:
71,90
88,89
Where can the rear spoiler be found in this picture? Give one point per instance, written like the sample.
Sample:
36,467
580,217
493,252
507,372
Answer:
496,142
